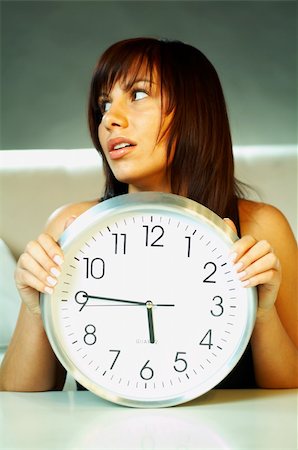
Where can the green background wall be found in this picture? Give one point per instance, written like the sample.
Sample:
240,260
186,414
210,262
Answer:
49,49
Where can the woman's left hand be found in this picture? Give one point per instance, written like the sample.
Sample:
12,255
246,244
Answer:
257,265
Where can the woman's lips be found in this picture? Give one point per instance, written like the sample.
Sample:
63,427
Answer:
120,146
116,154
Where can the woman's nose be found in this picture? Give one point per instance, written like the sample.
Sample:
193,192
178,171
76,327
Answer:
115,117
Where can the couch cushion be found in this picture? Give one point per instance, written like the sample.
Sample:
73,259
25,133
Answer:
9,297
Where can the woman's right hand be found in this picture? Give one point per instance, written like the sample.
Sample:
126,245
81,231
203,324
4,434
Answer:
38,269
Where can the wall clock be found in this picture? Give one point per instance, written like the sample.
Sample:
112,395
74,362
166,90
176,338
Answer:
148,310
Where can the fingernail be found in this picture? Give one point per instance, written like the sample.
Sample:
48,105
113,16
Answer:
55,272
51,281
58,260
233,256
238,266
48,290
241,275
245,283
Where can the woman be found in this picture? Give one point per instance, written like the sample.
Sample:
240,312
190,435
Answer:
158,117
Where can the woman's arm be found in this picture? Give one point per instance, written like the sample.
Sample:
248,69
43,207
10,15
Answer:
267,257
30,363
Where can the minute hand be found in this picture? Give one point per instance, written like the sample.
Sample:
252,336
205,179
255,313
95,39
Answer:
120,300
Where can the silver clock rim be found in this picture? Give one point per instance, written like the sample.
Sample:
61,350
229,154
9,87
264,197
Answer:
135,202
142,200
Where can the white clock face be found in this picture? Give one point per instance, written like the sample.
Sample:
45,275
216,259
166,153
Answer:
148,310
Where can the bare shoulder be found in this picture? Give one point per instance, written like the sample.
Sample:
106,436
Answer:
58,220
263,221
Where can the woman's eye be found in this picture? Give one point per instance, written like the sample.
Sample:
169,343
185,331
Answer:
105,106
139,95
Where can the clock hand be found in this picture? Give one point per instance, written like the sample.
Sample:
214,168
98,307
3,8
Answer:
150,321
110,299
119,300
148,304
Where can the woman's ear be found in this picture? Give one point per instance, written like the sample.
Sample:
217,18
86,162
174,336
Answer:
231,224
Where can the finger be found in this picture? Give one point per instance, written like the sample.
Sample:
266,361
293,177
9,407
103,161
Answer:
46,252
231,224
241,246
38,260
29,287
269,262
247,250
51,247
26,282
69,221
267,280
48,278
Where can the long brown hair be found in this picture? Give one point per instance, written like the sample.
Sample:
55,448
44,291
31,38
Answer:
203,166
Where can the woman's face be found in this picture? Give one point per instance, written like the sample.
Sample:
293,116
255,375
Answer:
130,132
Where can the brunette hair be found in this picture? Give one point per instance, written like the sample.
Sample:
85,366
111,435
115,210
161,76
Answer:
202,167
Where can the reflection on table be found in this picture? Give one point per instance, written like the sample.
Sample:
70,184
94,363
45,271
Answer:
221,419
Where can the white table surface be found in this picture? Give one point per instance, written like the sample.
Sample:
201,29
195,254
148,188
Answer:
221,419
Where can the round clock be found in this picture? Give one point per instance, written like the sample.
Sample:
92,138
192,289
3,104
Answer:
148,310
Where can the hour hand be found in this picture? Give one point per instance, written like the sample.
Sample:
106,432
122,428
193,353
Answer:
150,321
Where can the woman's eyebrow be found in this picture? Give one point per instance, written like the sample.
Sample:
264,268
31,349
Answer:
130,84
101,96
127,85
144,80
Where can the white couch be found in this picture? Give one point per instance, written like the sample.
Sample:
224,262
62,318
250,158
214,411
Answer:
33,183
